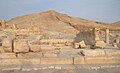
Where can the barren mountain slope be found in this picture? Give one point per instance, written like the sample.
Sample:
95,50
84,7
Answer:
117,23
50,19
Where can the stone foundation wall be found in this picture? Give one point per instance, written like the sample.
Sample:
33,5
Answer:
24,53
39,58
52,51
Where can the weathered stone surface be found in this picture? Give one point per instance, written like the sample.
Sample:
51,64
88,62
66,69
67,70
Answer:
35,48
56,41
112,52
79,60
56,60
10,62
47,47
7,55
102,60
82,44
20,61
21,45
59,45
100,43
33,61
1,50
96,52
49,54
7,44
29,55
76,45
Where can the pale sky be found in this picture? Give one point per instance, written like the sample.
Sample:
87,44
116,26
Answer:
96,10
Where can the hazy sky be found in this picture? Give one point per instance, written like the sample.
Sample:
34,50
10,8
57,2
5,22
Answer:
97,10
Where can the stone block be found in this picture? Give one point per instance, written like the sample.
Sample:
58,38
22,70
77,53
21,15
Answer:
82,44
33,61
30,55
102,60
10,62
49,54
35,48
21,45
112,52
20,61
56,60
7,55
100,43
7,45
47,47
96,52
76,45
79,60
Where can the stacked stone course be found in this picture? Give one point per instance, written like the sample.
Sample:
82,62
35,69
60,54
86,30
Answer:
21,52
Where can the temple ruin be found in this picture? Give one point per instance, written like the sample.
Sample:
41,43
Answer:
34,47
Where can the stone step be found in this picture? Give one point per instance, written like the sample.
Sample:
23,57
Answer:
61,60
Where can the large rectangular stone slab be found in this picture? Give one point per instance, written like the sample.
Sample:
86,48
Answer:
10,62
30,55
79,60
95,53
56,60
20,61
21,45
102,60
7,55
112,52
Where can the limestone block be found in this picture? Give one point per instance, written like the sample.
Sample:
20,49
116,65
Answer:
96,52
79,60
47,47
77,45
21,45
10,62
7,44
7,55
49,54
56,60
30,55
35,48
100,43
20,61
82,44
115,45
112,52
102,60
33,61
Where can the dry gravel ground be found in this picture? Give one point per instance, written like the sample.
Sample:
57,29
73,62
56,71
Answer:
69,69
111,70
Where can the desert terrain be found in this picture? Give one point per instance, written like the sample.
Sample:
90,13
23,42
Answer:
52,42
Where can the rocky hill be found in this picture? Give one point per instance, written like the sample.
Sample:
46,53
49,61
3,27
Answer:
117,23
54,24
52,19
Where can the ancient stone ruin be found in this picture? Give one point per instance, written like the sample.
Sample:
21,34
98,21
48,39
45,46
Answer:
24,46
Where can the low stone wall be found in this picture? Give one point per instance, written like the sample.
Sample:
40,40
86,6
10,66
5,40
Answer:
106,56
20,52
